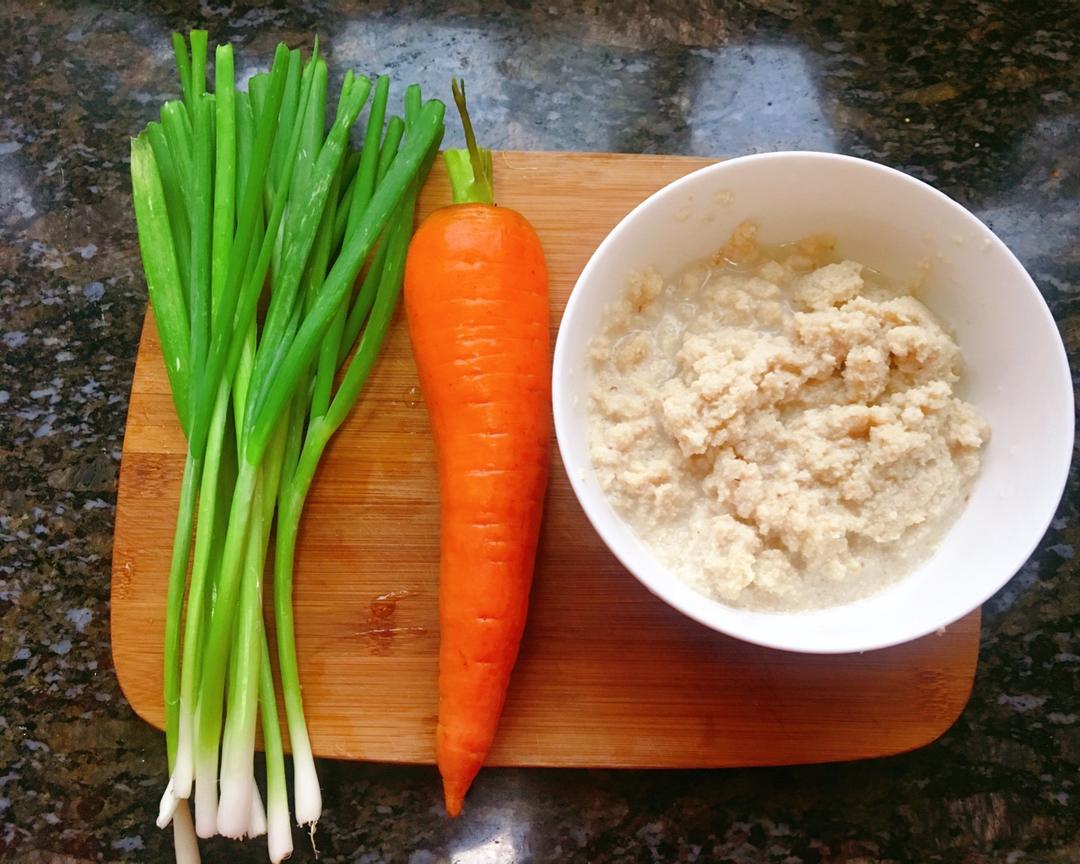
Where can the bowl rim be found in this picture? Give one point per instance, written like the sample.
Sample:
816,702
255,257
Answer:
681,596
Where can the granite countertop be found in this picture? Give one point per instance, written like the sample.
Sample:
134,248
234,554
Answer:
981,99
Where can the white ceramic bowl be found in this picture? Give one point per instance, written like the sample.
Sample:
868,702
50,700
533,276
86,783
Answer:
1017,375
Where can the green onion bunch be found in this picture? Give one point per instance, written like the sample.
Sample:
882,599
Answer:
274,253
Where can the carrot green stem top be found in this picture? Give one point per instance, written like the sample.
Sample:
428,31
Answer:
470,169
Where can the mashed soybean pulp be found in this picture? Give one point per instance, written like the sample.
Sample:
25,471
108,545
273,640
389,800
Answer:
780,426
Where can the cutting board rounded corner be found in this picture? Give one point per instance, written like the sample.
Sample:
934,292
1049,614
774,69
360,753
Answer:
131,674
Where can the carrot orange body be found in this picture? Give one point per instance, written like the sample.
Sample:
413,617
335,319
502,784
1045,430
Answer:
477,306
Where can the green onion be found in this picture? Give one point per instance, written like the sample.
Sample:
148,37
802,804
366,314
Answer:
162,273
429,125
183,66
363,187
174,197
243,200
224,216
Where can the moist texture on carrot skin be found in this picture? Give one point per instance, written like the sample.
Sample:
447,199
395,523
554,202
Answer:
780,426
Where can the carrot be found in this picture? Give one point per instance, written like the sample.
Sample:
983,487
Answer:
477,307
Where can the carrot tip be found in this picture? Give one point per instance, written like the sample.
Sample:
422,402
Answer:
453,803
454,792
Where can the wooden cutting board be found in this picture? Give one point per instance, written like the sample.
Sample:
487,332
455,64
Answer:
608,674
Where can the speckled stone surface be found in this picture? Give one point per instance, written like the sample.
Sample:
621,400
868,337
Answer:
982,99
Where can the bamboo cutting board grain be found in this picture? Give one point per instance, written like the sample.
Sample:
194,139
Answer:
608,674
